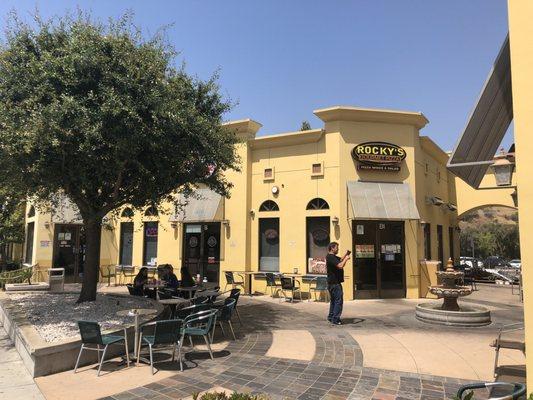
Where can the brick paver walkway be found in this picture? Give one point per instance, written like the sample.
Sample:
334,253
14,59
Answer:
336,371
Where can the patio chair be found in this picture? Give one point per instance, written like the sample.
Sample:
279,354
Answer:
128,272
272,284
509,337
200,324
235,294
291,285
184,312
166,335
225,312
321,286
91,335
230,280
133,290
518,390
108,272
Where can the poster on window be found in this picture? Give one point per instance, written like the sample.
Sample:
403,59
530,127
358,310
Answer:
364,251
317,265
151,231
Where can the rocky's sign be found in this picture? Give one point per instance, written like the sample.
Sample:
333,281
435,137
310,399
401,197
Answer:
378,156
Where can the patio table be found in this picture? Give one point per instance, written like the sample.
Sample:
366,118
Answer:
156,287
136,313
249,278
173,303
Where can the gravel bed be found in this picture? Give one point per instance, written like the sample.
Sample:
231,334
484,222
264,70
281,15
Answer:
55,316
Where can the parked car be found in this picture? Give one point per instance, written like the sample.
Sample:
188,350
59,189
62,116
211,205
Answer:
494,262
470,262
515,263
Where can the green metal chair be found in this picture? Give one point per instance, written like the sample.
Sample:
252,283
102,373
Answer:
91,335
200,324
321,286
166,334
272,284
225,312
291,285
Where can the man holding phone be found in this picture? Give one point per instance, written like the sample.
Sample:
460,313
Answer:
335,267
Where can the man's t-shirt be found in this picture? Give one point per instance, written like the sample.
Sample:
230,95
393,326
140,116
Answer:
335,275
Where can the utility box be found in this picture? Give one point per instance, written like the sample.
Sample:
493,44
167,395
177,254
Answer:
428,277
56,279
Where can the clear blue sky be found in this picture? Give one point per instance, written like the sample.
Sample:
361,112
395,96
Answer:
282,59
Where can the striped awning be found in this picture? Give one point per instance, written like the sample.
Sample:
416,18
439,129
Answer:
487,125
203,205
382,201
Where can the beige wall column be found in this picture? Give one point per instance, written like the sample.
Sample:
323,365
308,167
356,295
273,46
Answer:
237,232
521,40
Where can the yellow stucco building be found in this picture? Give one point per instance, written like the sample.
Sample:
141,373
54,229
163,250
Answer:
367,180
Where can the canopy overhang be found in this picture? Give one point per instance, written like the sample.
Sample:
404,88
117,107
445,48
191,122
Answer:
382,201
487,125
204,205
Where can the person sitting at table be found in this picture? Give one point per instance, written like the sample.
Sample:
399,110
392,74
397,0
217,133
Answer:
140,280
186,280
171,278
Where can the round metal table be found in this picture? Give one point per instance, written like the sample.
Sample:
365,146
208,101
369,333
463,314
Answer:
136,313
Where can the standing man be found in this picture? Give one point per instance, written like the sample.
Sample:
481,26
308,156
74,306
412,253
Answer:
335,268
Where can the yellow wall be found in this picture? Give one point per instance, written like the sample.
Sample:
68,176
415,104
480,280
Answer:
469,198
292,155
521,41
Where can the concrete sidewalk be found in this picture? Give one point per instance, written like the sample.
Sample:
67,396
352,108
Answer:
15,380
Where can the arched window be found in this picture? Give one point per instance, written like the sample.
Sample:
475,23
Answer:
269,205
318,204
31,212
127,213
151,212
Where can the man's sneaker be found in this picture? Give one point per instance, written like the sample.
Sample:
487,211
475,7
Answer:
336,322
329,320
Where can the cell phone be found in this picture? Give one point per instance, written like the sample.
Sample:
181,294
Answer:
348,252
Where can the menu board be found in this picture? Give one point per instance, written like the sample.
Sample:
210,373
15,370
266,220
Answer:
364,251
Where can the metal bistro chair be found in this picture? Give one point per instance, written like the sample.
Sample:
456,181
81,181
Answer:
235,294
518,390
166,335
509,337
91,335
321,286
108,272
230,280
272,284
290,284
128,272
225,312
200,324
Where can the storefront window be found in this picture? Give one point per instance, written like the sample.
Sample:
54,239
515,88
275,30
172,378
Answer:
450,238
427,241
317,231
29,242
269,244
126,243
150,243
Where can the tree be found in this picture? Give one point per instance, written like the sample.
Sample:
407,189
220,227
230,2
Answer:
12,208
305,126
99,113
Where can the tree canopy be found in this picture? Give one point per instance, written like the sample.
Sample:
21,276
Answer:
100,113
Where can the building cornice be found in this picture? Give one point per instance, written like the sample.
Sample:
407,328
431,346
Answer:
287,139
433,149
244,128
357,114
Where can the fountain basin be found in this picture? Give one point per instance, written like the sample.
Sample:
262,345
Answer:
442,291
467,316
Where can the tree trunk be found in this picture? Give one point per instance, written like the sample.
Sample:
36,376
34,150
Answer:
93,237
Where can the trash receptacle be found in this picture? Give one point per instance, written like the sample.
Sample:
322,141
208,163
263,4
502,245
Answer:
56,279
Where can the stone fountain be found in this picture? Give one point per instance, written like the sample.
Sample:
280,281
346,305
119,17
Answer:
449,312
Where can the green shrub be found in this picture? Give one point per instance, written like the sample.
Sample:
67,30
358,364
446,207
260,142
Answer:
224,396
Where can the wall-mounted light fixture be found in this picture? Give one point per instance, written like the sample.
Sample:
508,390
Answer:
174,224
335,220
252,213
434,200
225,222
503,169
451,207
47,224
514,195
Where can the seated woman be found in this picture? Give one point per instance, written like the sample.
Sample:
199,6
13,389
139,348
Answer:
140,280
171,279
186,280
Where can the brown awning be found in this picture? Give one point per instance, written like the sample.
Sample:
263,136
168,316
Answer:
487,125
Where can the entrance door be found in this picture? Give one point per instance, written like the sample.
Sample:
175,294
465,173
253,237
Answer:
126,243
379,259
69,251
201,250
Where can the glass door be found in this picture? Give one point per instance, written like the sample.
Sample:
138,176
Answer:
379,259
126,243
201,250
269,244
69,251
